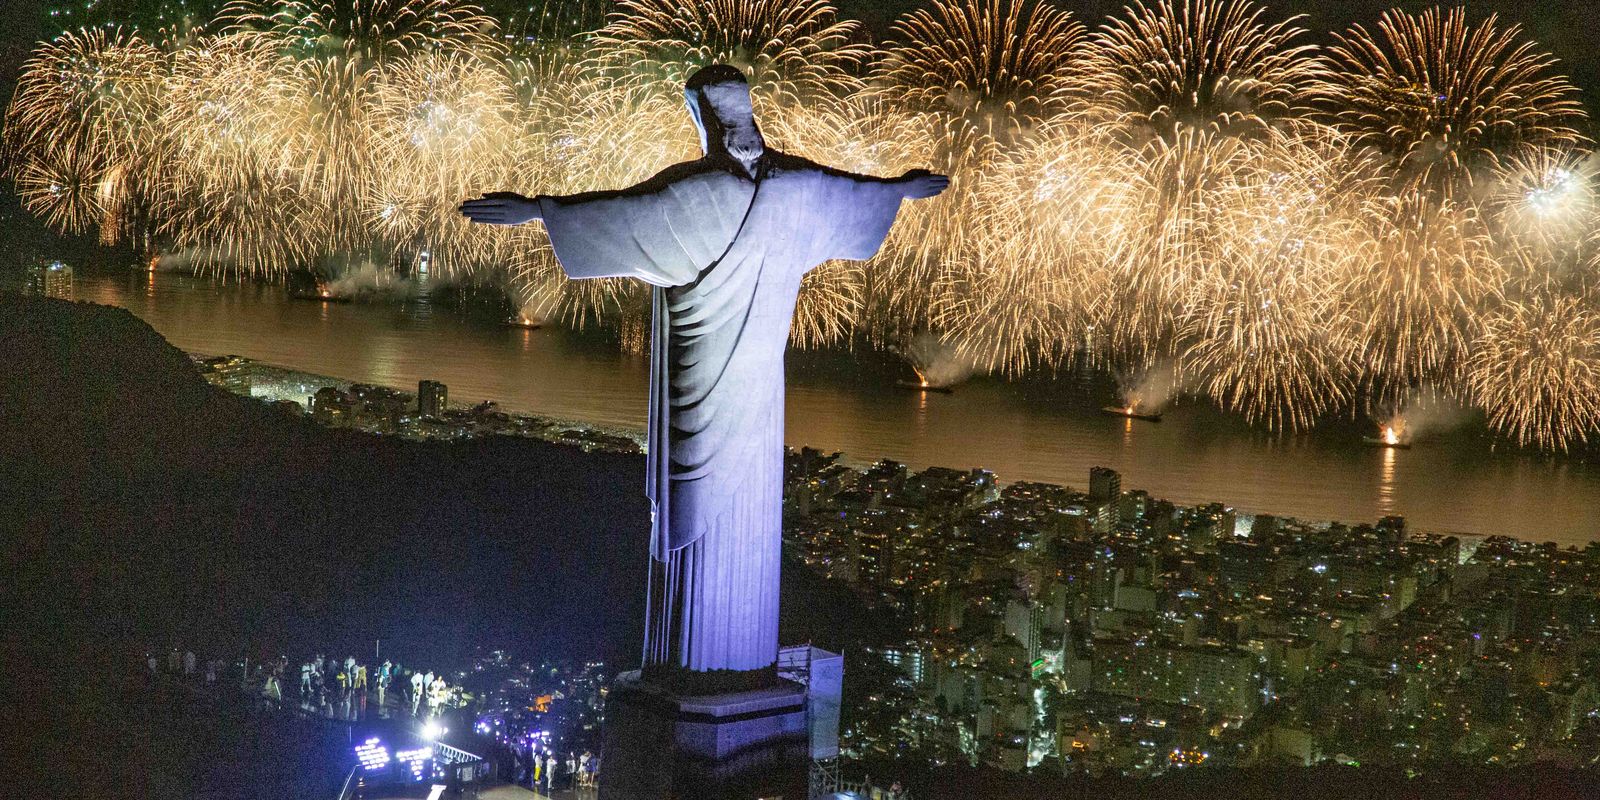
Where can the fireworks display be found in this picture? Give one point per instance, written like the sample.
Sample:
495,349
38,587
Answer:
1442,99
1188,187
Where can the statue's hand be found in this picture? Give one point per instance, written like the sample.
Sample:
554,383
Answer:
501,208
919,184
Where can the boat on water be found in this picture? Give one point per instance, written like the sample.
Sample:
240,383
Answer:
1132,413
1379,441
519,321
321,297
1390,437
924,386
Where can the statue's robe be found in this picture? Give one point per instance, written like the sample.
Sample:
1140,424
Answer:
725,254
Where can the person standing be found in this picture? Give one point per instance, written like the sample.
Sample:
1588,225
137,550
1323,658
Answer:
572,770
550,773
383,684
418,685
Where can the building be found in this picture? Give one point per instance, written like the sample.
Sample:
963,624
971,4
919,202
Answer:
431,398
53,279
909,660
1392,529
1105,497
229,372
330,406
1105,485
1212,677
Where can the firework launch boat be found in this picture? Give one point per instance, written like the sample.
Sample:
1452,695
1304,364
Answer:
1132,412
321,295
1389,438
924,386
519,321
1381,442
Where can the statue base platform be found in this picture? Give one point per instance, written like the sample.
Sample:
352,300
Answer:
659,744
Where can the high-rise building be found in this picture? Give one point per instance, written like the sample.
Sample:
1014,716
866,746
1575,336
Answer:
1132,506
431,398
1221,518
53,279
909,659
1024,622
1263,526
1105,496
1105,485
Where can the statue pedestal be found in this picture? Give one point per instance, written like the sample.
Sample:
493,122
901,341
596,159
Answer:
661,745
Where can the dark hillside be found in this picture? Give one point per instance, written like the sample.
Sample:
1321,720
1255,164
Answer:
145,504
142,507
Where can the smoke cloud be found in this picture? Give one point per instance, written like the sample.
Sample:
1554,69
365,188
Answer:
937,362
1426,411
1152,388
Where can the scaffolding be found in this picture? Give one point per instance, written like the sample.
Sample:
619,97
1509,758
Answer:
822,673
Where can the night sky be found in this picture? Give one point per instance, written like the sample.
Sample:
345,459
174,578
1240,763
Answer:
1564,27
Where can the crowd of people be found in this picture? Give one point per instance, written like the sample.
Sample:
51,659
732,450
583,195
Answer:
541,768
185,665
350,689
341,689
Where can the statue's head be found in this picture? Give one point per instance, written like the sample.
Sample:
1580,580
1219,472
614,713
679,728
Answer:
719,101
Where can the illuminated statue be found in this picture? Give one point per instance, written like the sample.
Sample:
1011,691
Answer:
724,240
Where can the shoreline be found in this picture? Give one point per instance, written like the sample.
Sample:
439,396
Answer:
638,437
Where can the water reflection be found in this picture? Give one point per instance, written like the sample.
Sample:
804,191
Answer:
1046,431
1386,481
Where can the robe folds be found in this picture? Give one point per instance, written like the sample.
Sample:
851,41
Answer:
725,254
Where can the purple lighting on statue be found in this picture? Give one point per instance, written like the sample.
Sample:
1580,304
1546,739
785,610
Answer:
724,242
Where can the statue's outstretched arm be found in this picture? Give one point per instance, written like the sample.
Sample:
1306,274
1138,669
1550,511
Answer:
857,211
510,208
915,184
501,208
920,184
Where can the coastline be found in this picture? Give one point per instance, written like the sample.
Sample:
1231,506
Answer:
542,427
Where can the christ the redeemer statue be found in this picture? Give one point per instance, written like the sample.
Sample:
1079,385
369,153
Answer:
724,241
